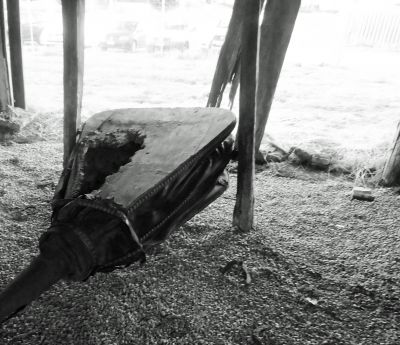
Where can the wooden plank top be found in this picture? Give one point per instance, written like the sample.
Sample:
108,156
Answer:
172,136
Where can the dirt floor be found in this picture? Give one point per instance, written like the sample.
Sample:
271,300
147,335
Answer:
321,268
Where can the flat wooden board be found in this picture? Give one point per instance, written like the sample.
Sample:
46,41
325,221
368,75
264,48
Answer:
173,135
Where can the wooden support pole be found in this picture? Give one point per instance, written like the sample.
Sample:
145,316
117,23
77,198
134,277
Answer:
275,33
4,86
14,38
5,95
244,208
2,26
228,60
73,12
391,171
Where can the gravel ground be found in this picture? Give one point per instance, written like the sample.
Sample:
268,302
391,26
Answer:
324,269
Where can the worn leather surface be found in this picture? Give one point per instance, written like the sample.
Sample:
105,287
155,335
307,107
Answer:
95,231
166,138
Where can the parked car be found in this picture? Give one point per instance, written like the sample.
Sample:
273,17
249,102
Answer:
219,36
126,35
30,32
34,15
169,37
51,33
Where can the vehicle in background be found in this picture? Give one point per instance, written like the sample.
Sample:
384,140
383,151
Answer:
219,36
126,35
176,36
51,33
34,15
169,37
41,23
31,32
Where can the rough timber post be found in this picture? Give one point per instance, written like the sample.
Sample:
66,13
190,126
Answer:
14,35
2,27
229,56
244,208
275,32
5,98
391,172
73,12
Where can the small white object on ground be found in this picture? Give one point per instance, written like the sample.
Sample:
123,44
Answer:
362,193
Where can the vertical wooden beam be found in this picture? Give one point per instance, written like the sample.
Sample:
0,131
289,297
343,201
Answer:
391,171
73,12
4,87
2,26
17,70
244,208
5,96
228,60
275,33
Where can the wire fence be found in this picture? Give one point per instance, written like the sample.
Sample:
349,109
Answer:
374,29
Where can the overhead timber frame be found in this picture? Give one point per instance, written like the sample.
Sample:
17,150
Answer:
252,55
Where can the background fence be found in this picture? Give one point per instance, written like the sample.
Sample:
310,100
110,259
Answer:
379,28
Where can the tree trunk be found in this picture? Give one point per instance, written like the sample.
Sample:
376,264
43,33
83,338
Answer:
244,208
275,32
73,23
391,172
228,60
17,70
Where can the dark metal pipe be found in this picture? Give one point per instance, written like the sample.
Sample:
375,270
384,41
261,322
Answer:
38,277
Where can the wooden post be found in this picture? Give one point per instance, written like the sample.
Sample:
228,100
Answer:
244,208
228,60
275,33
391,172
2,26
5,96
73,12
14,36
